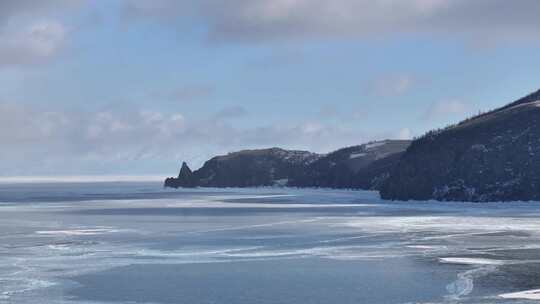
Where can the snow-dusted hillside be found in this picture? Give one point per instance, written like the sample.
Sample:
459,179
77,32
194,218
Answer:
250,168
492,157
363,166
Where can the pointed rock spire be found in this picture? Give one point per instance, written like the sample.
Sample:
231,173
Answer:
185,179
185,171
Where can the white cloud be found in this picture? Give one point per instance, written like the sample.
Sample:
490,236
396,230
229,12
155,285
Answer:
31,44
404,133
30,32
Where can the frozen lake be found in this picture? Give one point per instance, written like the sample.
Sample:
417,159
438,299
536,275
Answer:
139,243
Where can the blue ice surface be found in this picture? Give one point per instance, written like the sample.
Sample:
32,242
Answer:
135,242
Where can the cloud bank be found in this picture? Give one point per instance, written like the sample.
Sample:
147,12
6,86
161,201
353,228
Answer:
39,141
46,140
482,21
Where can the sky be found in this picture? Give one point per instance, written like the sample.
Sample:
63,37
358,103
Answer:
135,87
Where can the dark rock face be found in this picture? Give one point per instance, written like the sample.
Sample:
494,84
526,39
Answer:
358,167
250,168
364,167
185,178
491,157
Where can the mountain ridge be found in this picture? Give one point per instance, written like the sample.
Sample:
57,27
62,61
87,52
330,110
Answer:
493,156
296,168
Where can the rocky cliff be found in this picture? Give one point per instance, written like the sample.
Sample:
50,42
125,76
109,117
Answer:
358,167
185,178
364,167
491,157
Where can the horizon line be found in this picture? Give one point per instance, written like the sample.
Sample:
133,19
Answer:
80,178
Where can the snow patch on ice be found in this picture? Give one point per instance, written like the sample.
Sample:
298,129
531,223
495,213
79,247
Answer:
76,232
471,261
26,285
533,294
